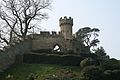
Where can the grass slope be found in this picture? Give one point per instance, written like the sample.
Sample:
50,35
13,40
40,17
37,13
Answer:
42,71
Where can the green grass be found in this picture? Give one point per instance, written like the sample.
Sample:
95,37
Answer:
22,71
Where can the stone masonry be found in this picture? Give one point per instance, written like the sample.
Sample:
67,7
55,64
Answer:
64,42
64,39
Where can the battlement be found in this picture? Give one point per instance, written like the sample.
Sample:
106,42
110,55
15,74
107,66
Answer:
48,33
66,20
45,33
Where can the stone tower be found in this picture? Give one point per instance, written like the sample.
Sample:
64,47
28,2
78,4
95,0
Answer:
66,27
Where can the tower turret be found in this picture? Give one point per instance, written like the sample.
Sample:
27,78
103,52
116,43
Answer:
66,27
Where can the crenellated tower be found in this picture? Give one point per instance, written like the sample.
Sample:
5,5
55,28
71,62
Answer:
66,27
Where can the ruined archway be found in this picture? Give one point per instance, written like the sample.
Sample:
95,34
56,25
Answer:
56,48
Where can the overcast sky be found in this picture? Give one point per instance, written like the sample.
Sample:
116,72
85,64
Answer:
102,14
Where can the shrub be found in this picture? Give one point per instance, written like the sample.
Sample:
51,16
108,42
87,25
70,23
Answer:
111,64
91,73
87,62
67,60
112,75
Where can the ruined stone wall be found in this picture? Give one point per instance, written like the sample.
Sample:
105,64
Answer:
45,40
77,46
8,55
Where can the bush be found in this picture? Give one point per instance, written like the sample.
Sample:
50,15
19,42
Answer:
91,73
68,60
87,62
112,75
32,76
111,64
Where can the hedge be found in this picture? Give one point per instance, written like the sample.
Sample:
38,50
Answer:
68,60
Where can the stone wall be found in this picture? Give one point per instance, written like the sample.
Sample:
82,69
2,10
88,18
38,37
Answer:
9,53
47,41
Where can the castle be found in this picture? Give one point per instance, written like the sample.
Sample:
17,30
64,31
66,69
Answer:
40,48
64,41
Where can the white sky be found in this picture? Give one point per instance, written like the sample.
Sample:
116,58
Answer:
102,14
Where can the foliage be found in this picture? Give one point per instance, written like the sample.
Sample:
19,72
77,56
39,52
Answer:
69,60
101,55
112,75
32,76
111,64
105,69
10,77
88,36
87,62
91,73
64,74
100,51
42,72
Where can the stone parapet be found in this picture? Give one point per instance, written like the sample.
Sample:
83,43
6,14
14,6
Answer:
66,20
48,33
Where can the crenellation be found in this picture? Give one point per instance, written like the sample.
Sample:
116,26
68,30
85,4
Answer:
48,33
66,20
54,33
45,33
70,17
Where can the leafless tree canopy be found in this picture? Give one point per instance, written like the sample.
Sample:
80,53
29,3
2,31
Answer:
18,17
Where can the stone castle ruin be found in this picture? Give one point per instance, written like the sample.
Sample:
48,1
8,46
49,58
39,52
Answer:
64,41
45,42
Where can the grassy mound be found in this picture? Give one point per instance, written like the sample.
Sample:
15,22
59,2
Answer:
40,72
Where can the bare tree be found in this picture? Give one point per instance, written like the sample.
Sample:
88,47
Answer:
19,17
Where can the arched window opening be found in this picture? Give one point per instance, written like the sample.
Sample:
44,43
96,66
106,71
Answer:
56,48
